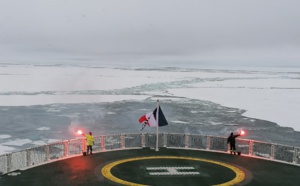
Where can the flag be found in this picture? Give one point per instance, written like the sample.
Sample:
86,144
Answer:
150,118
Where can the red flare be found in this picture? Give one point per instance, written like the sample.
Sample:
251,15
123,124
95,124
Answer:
242,132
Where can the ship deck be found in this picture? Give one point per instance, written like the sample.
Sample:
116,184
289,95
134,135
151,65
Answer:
164,167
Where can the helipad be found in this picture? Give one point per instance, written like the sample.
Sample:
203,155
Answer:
170,168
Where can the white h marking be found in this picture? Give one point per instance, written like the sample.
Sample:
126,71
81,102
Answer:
171,171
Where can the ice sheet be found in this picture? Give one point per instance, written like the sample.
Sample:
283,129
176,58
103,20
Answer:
272,95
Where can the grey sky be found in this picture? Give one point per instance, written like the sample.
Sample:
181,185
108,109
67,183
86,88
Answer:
213,31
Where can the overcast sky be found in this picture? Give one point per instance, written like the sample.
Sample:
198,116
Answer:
243,32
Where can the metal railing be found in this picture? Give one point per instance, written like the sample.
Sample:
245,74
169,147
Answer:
69,148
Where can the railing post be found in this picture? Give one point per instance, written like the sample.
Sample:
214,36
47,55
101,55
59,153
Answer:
83,145
165,137
103,143
66,148
47,153
28,157
9,164
295,157
208,143
122,138
228,148
272,151
186,140
143,140
251,147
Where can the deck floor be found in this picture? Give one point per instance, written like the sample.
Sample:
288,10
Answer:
164,167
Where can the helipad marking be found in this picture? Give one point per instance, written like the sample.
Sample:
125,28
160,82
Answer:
172,171
106,169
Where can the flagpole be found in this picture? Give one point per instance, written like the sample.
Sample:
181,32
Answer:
157,118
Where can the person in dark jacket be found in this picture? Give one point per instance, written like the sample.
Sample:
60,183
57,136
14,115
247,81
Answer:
231,141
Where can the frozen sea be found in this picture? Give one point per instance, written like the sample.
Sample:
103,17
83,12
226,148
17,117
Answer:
40,104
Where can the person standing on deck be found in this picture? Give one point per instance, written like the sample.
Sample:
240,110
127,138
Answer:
90,142
231,141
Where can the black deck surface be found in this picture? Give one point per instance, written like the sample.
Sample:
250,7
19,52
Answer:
87,170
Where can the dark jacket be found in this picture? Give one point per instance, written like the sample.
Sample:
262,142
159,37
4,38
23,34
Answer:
231,139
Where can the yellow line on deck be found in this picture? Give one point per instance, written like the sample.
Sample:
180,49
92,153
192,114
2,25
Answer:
106,170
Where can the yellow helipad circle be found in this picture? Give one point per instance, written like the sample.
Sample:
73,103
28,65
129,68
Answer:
107,168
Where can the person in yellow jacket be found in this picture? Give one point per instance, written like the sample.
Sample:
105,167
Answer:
90,142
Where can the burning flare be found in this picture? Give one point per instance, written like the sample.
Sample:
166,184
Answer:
242,132
79,132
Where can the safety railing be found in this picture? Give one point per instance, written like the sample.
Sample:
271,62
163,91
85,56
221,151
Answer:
70,148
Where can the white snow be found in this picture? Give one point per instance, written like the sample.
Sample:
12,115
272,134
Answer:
24,100
17,142
110,113
280,105
53,140
5,149
180,122
38,143
4,136
265,95
43,128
